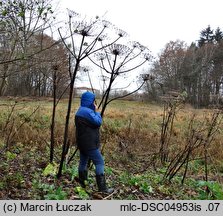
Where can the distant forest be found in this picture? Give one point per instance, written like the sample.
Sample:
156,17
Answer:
32,62
196,69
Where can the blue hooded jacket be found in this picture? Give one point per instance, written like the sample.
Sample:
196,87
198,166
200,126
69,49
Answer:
87,122
87,109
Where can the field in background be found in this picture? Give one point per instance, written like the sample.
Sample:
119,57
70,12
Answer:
130,138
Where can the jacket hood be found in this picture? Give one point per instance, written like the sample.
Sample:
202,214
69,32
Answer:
87,100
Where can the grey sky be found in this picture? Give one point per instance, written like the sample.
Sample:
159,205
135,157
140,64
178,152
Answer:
155,22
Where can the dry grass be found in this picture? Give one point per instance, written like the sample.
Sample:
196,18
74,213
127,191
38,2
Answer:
131,134
130,131
130,137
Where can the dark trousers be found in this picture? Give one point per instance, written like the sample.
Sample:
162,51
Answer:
94,155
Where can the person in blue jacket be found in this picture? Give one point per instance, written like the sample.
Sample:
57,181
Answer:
88,122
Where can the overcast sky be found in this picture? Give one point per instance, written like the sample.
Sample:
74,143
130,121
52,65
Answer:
154,23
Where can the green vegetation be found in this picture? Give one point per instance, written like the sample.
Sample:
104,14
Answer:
130,143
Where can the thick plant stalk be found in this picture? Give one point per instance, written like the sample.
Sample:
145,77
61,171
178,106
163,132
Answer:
66,130
52,128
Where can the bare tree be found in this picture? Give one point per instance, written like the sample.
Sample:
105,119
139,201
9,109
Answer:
20,21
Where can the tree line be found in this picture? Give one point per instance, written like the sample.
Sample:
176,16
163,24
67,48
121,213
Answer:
196,69
29,56
27,53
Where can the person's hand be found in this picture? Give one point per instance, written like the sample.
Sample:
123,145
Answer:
96,107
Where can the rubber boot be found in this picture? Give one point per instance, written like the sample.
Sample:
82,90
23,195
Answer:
101,182
83,176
